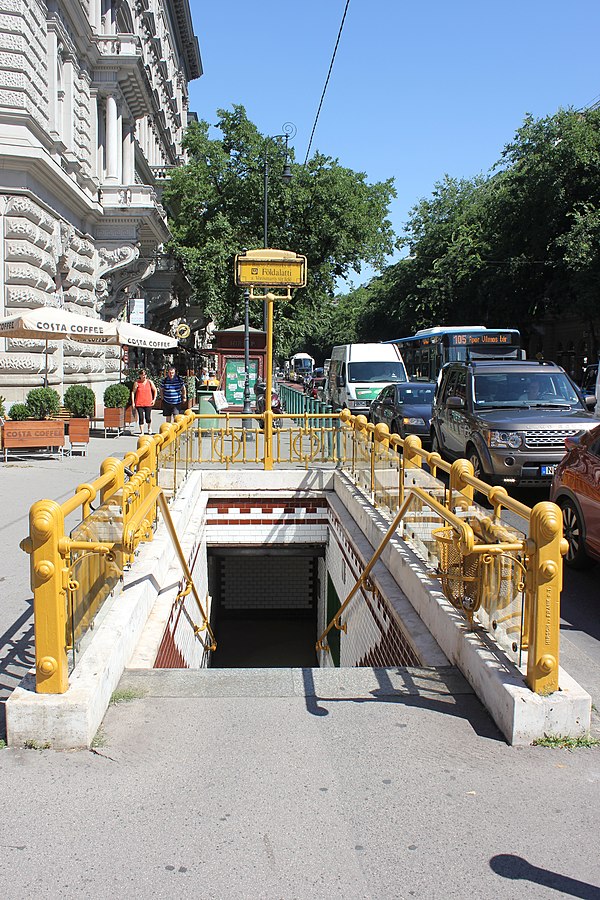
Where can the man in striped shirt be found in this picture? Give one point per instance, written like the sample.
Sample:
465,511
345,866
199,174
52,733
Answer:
172,394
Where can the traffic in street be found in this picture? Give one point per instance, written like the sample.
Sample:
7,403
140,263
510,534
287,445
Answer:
524,424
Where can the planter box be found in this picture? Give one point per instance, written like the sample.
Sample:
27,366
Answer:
32,434
79,435
114,419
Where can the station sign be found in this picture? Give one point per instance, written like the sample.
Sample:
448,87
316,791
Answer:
270,268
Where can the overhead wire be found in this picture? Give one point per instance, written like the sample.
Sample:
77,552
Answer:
312,134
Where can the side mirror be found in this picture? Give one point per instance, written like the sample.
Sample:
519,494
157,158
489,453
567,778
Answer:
455,403
340,381
590,401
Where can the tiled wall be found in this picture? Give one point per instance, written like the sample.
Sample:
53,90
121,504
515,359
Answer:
375,635
267,521
180,647
274,582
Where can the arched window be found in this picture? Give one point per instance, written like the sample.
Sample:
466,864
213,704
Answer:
124,18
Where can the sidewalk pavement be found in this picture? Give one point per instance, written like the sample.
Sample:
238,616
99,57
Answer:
238,784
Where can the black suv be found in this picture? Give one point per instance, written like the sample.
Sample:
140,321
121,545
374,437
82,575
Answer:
510,418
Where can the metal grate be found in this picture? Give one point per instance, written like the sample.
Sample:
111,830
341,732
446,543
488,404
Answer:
548,439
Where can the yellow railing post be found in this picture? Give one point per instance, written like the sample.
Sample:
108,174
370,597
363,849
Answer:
412,458
48,581
544,597
460,468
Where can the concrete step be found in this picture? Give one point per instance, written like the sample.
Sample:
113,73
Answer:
342,683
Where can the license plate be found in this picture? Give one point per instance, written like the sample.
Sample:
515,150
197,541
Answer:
548,470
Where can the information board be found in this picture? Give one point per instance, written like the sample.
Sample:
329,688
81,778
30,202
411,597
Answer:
235,379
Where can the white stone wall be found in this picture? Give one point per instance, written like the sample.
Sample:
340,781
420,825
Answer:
23,59
80,81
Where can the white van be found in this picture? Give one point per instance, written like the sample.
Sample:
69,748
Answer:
358,372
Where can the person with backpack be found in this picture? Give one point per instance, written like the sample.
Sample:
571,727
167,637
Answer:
172,394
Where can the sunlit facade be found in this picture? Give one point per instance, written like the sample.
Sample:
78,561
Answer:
93,108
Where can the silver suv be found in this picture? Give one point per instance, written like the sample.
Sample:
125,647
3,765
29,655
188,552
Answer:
510,418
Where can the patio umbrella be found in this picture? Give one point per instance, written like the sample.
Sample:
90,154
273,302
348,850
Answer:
53,323
136,336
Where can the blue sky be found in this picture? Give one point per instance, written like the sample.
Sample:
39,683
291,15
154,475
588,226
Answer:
417,90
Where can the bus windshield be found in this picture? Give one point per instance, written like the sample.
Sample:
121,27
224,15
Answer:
376,372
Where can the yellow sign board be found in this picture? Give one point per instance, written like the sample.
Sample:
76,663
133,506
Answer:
270,268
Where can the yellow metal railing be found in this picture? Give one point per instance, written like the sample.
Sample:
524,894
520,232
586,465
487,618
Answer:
507,581
502,579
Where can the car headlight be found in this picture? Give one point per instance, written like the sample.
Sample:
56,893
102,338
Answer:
413,420
511,439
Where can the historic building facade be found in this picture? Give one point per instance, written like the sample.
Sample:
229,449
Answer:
93,108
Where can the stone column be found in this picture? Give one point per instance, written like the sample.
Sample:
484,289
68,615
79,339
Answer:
112,139
128,152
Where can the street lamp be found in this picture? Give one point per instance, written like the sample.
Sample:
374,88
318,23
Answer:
289,130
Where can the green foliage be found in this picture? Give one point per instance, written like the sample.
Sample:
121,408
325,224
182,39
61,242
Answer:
80,400
43,402
126,695
327,212
506,248
19,412
564,742
117,396
2,409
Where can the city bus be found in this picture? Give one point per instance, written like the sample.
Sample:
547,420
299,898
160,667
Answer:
299,366
425,352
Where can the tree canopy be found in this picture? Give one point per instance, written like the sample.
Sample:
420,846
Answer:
503,249
327,212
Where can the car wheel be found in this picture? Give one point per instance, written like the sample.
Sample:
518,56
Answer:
435,443
475,461
576,556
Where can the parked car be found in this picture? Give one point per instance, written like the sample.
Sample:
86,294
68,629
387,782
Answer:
405,409
510,418
576,489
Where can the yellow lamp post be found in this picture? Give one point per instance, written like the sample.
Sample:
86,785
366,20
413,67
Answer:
270,270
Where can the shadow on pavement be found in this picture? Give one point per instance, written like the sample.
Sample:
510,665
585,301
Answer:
17,656
508,865
464,706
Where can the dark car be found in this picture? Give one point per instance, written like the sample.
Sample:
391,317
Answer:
405,408
510,418
576,489
315,386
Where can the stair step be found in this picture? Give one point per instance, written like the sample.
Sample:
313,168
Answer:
334,683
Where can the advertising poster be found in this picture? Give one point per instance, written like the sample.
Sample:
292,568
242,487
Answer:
235,377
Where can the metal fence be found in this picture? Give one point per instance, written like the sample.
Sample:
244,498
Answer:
501,579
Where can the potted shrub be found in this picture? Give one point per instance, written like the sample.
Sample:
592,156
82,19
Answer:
28,425
190,382
19,412
80,401
42,403
116,399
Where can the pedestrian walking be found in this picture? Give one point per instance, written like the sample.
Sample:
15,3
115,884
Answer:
143,395
173,394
